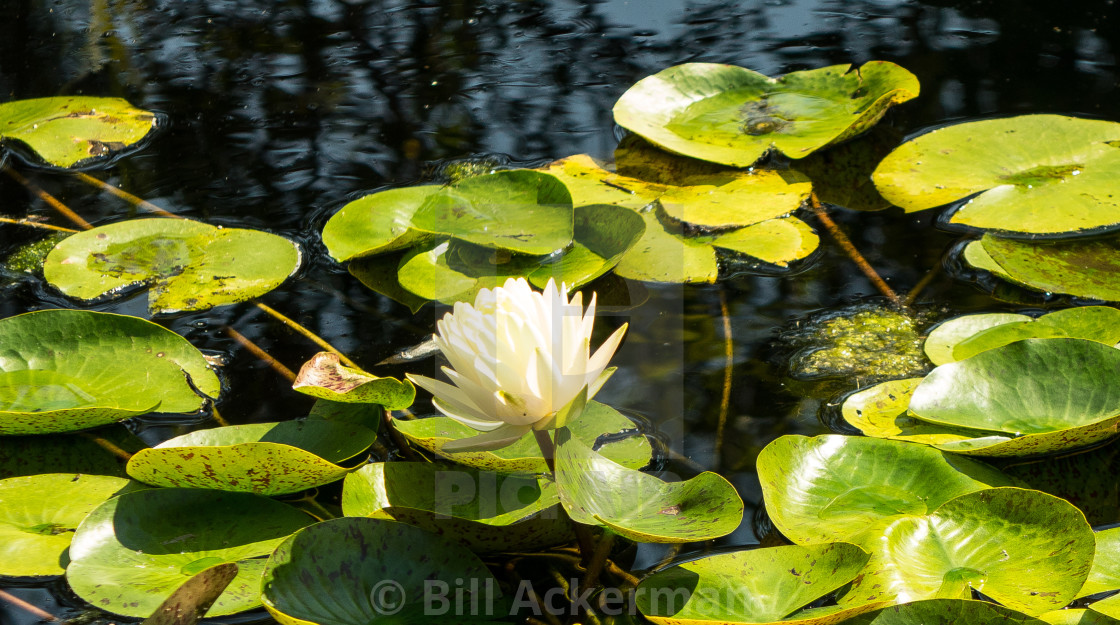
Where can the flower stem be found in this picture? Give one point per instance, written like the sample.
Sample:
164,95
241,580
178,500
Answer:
548,449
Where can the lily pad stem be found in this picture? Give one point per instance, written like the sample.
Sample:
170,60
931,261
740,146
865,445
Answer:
548,449
314,338
35,224
729,352
598,558
125,195
912,296
255,350
399,441
51,200
107,446
23,605
217,416
852,252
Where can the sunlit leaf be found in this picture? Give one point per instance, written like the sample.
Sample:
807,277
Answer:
68,130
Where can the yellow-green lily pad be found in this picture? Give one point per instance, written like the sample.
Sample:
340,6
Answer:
734,116
67,130
187,265
1080,268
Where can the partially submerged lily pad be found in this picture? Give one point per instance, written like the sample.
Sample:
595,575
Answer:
38,516
325,377
187,265
844,488
759,586
1035,174
68,130
66,370
624,444
983,541
954,611
1080,268
261,458
360,570
732,115
598,491
521,211
133,551
479,510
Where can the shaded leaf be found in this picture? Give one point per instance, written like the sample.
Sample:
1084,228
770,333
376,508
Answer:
190,601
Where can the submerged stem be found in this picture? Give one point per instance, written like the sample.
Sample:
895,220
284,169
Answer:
912,296
598,558
51,200
35,224
314,338
108,446
125,195
39,613
852,252
255,350
729,352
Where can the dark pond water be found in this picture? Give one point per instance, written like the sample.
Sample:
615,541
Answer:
281,111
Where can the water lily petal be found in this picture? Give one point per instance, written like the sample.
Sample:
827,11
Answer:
594,386
495,439
453,398
603,355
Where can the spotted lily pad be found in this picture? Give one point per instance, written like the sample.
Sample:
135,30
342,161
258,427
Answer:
479,510
955,611
325,377
759,586
66,453
187,265
518,210
68,130
67,370
622,442
1034,174
191,601
133,551
360,570
598,491
261,458
1086,479
984,541
1080,268
843,488
38,516
732,115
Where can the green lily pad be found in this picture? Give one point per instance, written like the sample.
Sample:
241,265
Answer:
38,516
66,370
379,274
984,541
524,456
1076,616
734,116
1034,386
325,377
1092,323
68,130
712,200
954,611
1105,572
360,570
1086,479
759,586
603,235
1080,268
1035,174
479,510
262,458
369,416
62,453
639,506
190,601
842,488
188,265
882,412
133,551
1109,607
523,211
943,339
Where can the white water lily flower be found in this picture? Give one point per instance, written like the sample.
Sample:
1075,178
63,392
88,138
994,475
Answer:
518,360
